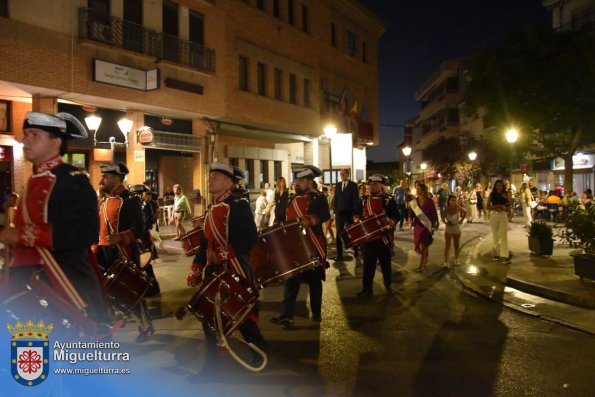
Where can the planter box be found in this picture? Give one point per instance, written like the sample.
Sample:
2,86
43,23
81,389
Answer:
584,266
541,247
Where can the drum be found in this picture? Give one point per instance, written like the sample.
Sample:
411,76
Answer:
126,285
238,298
38,302
198,222
191,241
282,252
365,231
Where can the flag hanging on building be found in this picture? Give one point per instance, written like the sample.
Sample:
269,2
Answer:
363,115
354,109
342,105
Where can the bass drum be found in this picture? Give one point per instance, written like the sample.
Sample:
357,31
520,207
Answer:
126,285
238,299
282,252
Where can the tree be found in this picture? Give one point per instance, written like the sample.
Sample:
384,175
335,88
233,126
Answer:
542,83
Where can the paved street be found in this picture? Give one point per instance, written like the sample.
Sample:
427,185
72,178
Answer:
430,338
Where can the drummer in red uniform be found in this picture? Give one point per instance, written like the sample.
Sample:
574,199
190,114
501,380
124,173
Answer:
120,226
310,207
57,215
380,250
229,235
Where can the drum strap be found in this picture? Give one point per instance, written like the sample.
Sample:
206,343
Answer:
370,210
315,241
222,242
53,269
110,229
223,340
423,218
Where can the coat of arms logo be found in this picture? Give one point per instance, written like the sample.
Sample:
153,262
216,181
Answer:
30,352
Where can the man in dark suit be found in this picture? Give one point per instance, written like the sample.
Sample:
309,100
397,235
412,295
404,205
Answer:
346,204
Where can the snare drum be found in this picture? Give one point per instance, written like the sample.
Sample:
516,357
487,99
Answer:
126,285
43,304
365,231
191,241
198,222
282,252
238,298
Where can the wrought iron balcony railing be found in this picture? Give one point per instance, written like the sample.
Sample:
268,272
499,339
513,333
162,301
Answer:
114,31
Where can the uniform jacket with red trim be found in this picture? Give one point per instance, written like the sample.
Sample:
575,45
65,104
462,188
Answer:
242,235
63,207
314,204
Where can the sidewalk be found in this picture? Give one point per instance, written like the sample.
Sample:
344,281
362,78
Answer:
522,284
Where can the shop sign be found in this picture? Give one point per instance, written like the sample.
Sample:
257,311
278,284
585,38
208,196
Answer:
124,76
139,155
145,136
579,161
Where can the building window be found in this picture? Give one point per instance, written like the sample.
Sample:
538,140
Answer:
364,52
250,174
78,160
234,161
351,44
332,102
291,12
4,8
306,92
262,78
292,89
278,84
170,18
276,9
277,171
305,19
334,35
264,172
244,74
100,6
197,27
260,4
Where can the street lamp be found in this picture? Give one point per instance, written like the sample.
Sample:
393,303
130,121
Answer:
511,136
407,152
423,167
93,122
329,132
472,156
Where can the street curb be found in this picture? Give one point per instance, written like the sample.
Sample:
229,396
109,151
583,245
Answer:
548,293
510,304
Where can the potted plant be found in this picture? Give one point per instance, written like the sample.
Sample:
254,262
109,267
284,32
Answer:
579,232
541,240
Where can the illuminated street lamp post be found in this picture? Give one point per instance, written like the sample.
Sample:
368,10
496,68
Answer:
472,156
329,132
423,167
511,136
407,152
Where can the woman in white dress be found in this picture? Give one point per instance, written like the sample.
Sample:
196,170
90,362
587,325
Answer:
453,217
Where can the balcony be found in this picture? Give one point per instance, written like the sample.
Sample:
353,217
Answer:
114,31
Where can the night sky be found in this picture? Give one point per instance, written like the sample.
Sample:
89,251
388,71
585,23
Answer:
422,33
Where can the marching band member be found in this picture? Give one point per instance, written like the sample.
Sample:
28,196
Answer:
120,226
230,234
56,219
380,250
310,207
